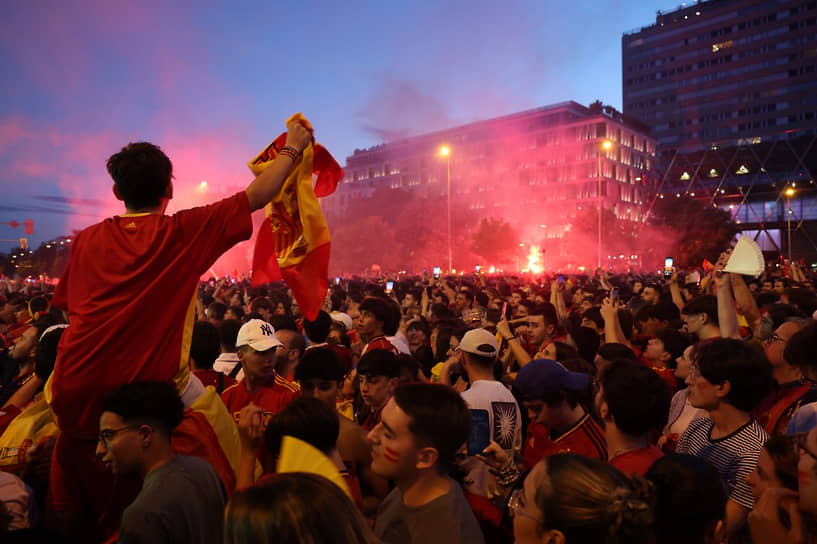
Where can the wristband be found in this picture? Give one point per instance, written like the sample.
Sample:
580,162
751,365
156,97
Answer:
290,152
510,338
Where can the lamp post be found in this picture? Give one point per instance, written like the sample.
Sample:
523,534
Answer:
789,194
605,145
445,151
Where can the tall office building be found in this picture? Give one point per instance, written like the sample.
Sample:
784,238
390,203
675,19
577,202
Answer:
729,90
741,70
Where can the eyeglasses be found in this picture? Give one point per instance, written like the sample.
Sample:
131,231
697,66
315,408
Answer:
516,505
106,436
800,447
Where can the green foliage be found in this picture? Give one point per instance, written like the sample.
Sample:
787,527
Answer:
495,241
699,230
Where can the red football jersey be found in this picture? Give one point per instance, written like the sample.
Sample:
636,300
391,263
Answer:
272,398
637,461
585,437
130,289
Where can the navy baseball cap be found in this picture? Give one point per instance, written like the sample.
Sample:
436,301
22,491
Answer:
542,377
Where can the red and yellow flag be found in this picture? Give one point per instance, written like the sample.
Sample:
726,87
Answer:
293,243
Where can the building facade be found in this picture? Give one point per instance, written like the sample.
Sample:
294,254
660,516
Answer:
536,169
729,91
717,70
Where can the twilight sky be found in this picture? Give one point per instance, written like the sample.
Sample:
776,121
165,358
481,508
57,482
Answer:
213,84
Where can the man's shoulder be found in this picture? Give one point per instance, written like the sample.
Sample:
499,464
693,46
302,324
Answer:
283,385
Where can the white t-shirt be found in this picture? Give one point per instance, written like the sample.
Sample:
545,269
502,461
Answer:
505,424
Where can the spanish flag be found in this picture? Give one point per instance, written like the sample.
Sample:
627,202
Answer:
293,243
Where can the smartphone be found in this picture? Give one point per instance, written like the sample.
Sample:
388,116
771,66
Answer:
480,435
389,286
337,280
614,294
436,272
561,278
668,262
504,310
478,269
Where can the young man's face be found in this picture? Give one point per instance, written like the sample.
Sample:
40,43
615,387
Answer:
23,347
325,391
394,451
702,392
259,366
461,301
763,477
775,345
368,325
409,300
650,295
376,390
121,451
779,286
513,302
537,333
655,350
694,322
541,413
684,363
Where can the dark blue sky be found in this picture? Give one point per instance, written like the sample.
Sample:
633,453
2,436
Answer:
213,84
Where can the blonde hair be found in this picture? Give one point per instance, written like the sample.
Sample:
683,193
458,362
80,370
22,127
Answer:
296,508
591,501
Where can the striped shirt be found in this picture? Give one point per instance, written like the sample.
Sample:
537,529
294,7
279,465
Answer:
733,456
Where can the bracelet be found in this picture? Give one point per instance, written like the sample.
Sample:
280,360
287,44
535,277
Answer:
510,338
290,152
508,477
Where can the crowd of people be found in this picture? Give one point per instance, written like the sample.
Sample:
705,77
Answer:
140,404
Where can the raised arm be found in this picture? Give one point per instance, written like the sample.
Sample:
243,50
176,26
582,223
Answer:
269,182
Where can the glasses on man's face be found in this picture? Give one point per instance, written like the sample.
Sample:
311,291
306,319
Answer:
106,436
516,505
800,445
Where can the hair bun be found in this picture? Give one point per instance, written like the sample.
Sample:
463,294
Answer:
630,507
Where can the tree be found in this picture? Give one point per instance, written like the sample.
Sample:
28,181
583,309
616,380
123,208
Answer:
495,241
692,230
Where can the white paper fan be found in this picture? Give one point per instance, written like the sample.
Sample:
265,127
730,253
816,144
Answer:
746,258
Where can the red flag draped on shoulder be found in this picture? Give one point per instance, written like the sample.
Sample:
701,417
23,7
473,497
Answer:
293,243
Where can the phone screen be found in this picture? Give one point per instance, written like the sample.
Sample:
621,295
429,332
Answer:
337,280
668,262
480,435
504,310
614,293
436,271
477,269
389,285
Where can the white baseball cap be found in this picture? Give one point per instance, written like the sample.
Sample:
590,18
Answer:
479,342
344,318
257,334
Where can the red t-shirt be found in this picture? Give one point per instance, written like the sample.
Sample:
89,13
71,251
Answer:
585,437
214,377
130,289
272,398
637,461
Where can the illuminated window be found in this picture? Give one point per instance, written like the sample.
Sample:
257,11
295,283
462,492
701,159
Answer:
742,170
685,176
713,173
723,45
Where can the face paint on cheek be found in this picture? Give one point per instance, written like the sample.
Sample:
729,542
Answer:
390,455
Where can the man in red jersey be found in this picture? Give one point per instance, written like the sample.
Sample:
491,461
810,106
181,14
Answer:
633,402
120,271
558,422
261,385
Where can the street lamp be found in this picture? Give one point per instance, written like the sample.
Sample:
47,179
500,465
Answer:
445,151
789,193
605,145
